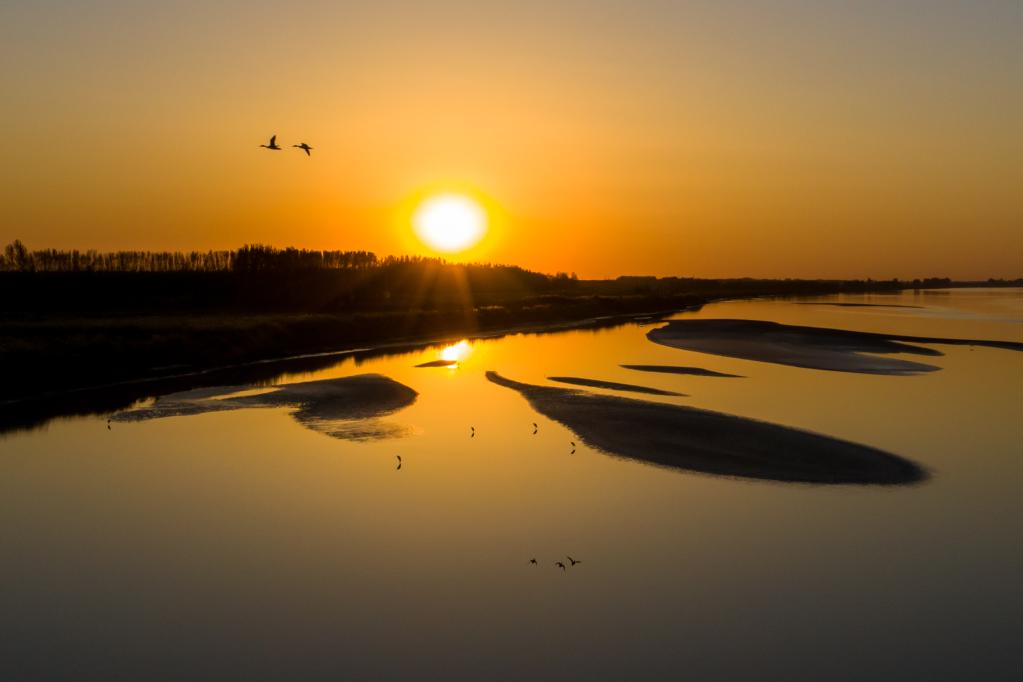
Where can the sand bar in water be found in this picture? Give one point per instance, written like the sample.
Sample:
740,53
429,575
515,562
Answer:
709,442
612,385
812,347
675,369
348,407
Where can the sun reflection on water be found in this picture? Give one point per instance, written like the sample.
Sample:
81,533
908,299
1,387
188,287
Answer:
456,352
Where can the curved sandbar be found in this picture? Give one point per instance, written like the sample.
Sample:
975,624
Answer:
438,363
712,442
674,369
812,347
858,305
815,347
342,408
612,385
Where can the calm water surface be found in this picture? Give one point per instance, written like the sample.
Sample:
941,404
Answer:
242,545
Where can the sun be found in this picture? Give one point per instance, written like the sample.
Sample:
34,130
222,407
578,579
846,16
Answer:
450,222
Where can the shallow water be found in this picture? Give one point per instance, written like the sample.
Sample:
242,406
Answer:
242,544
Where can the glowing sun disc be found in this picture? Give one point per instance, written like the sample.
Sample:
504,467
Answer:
450,222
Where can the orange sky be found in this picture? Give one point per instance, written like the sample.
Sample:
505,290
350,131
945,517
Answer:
802,139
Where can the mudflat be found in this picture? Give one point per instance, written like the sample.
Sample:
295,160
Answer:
346,407
704,441
612,385
812,347
674,369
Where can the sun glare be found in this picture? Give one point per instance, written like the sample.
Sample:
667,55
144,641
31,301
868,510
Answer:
456,352
450,222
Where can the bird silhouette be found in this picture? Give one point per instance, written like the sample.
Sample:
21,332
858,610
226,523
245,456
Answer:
304,147
532,561
573,561
535,428
472,432
559,565
272,145
572,443
399,462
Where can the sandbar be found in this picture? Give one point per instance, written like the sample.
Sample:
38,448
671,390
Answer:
612,385
858,305
810,347
675,369
698,440
346,407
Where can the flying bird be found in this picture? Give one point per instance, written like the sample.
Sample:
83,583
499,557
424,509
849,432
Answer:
272,145
533,561
472,432
559,565
535,427
573,561
399,462
304,147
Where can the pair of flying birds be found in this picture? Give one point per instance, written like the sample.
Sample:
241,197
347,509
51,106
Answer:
273,145
559,564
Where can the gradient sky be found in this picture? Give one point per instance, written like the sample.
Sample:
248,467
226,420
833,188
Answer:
787,138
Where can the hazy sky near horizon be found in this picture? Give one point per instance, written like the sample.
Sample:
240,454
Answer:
788,138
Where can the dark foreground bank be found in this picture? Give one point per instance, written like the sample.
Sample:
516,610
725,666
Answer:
62,331
43,355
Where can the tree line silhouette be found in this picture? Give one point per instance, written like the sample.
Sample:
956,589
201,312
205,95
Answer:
249,258
82,318
266,279
255,278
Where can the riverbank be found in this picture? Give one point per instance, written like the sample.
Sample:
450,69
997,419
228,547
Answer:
59,353
50,353
49,388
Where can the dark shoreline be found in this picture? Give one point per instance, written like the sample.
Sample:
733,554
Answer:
34,410
62,354
58,364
